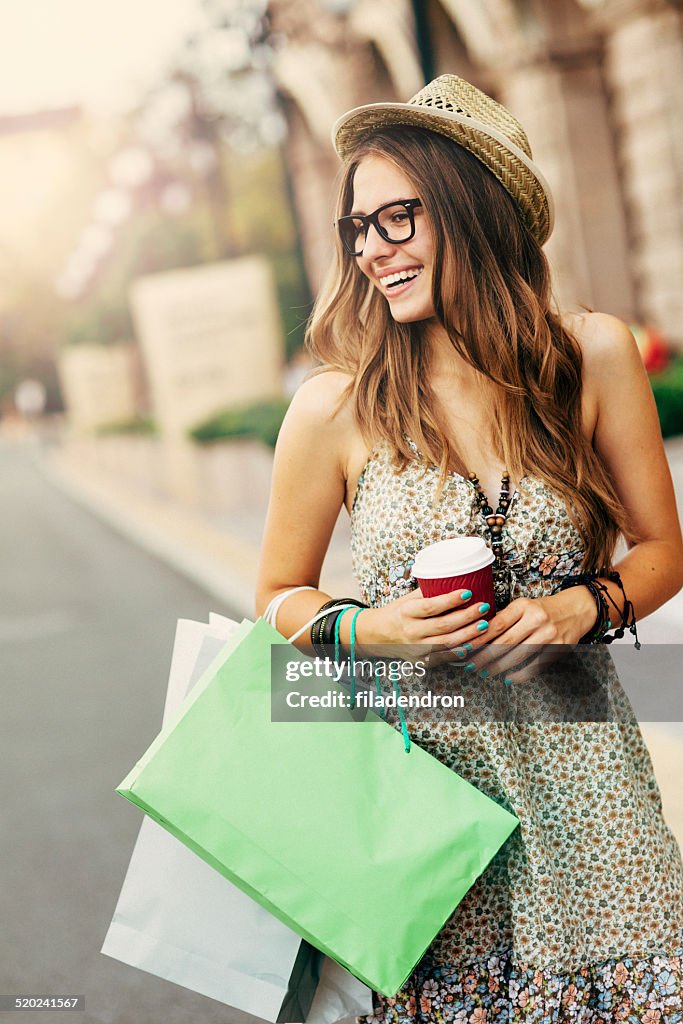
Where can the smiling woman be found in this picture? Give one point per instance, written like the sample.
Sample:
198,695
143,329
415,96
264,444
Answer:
394,269
441,356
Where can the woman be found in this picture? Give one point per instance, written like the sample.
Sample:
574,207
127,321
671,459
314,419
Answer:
441,358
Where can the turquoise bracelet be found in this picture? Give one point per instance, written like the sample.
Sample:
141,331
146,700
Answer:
393,679
337,641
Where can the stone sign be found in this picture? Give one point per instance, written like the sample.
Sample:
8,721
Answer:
211,337
100,384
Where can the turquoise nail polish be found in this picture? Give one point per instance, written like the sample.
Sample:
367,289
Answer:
484,607
470,666
459,652
482,625
468,647
466,594
483,673
508,682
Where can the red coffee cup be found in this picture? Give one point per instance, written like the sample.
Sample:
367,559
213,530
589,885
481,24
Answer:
461,563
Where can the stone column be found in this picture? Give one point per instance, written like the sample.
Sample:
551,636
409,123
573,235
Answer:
644,66
561,101
330,63
543,61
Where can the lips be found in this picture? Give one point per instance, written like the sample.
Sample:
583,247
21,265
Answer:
391,285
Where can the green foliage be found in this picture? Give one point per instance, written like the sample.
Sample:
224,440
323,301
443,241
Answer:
248,213
260,215
293,299
261,221
667,388
99,323
258,419
151,242
140,425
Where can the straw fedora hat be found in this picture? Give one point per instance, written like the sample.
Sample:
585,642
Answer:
456,109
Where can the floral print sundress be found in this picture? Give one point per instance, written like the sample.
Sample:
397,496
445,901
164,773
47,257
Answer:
579,917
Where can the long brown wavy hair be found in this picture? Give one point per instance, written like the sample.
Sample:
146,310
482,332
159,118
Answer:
492,280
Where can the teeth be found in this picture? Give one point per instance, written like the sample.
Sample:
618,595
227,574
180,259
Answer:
403,275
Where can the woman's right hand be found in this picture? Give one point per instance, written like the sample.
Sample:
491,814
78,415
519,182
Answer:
423,624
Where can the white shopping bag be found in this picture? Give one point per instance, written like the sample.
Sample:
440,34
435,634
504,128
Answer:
179,919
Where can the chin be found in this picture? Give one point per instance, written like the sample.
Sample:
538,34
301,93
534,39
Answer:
410,316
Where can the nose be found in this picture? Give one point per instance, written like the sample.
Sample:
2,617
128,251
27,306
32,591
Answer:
375,245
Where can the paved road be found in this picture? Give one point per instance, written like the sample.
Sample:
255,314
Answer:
86,627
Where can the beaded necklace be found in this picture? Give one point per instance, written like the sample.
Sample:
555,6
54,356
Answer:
495,522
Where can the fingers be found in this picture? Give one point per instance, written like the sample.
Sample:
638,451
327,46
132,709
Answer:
481,641
468,637
535,667
447,655
427,619
502,658
427,607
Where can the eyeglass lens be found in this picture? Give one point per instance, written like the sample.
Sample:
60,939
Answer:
395,223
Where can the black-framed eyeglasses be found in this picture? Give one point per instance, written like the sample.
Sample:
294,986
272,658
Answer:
394,222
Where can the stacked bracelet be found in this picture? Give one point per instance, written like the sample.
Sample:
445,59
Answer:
322,633
317,627
601,595
329,629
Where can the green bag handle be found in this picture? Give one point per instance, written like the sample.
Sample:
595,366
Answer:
337,652
352,664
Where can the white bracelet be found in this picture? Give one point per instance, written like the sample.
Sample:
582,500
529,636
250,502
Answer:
270,614
318,616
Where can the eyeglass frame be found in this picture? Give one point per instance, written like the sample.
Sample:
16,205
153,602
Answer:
368,219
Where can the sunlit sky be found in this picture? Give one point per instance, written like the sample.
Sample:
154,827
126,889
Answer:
96,53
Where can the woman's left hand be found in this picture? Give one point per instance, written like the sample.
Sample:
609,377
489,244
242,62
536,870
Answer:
542,627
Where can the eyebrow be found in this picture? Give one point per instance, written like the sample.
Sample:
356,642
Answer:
360,213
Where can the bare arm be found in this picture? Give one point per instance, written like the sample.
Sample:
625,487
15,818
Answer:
629,440
307,493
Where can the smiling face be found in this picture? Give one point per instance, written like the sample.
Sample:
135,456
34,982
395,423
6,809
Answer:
378,181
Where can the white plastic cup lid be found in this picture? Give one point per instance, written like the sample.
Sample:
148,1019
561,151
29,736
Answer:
454,557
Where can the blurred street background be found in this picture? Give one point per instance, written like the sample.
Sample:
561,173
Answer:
167,179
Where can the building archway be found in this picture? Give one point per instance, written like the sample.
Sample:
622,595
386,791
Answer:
544,62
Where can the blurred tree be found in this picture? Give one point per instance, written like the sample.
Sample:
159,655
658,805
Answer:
194,174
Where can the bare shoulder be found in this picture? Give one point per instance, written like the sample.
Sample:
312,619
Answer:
318,407
604,339
322,395
324,404
320,421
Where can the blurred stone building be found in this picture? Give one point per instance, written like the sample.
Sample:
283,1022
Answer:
596,83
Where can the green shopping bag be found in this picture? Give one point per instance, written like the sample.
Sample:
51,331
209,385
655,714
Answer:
309,819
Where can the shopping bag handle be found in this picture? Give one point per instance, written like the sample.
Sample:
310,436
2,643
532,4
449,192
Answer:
270,614
392,676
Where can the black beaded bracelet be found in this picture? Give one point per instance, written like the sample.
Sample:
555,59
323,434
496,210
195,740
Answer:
317,627
601,595
322,632
327,632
